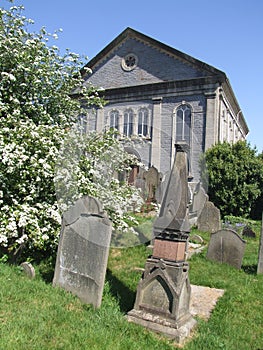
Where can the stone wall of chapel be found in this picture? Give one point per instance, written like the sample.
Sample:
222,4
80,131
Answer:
167,132
169,107
229,127
142,148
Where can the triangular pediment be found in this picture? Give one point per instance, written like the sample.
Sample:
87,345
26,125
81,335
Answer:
135,59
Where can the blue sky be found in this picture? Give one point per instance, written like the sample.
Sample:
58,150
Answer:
227,34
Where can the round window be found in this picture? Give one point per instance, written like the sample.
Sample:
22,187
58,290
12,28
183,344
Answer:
129,62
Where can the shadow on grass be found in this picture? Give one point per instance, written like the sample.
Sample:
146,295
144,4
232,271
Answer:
46,269
122,293
250,269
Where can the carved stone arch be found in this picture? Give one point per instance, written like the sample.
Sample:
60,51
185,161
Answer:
133,151
158,295
131,176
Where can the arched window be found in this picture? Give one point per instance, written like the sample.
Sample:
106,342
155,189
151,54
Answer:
128,123
83,124
114,120
183,123
143,122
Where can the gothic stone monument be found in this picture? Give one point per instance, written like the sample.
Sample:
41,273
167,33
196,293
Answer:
226,246
83,250
163,294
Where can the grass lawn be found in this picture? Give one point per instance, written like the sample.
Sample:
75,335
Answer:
34,315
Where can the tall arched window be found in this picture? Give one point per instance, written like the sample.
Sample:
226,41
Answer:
143,122
114,120
83,124
183,123
128,123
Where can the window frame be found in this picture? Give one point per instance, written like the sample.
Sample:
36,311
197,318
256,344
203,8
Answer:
128,122
143,122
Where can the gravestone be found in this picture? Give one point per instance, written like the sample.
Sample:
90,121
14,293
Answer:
260,251
163,294
209,219
152,182
28,269
196,239
140,182
162,186
248,232
83,250
226,246
199,199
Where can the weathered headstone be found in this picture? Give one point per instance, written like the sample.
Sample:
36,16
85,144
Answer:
209,219
83,250
248,232
140,182
28,269
163,294
199,198
152,182
226,246
260,251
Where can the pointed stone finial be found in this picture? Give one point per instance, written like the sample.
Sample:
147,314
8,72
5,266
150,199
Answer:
173,218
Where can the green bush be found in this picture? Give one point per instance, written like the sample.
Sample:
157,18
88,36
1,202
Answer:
233,175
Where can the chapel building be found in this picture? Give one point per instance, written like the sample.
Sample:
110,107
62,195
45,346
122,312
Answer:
162,96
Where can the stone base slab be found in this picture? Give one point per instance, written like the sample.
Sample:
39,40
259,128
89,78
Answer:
158,325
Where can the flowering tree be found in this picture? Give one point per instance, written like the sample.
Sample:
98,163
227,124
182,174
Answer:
37,116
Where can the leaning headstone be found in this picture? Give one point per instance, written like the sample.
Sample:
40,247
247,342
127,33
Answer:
163,294
260,252
28,269
226,246
196,239
83,250
209,219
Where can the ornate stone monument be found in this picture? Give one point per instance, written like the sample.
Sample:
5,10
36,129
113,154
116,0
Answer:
163,294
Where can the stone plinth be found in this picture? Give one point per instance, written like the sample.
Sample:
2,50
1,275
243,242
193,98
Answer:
163,299
169,250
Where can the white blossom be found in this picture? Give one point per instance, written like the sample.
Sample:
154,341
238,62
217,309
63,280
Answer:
37,148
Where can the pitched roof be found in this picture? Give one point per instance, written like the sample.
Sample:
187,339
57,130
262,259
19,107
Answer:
211,73
131,33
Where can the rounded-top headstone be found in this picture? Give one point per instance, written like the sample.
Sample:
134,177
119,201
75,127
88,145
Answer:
28,269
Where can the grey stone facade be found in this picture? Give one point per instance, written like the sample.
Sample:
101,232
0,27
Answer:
144,78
